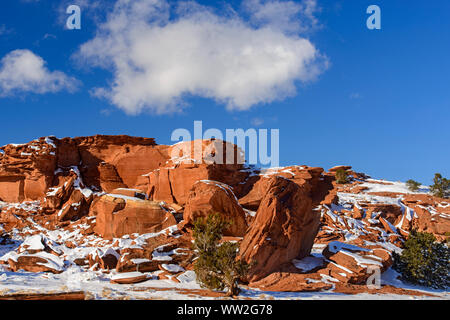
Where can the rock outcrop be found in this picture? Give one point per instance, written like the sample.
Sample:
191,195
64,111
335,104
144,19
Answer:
208,197
284,228
119,215
123,207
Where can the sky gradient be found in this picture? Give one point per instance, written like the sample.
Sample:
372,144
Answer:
380,100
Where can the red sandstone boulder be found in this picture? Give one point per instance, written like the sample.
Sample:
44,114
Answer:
38,243
172,184
103,259
291,282
311,179
284,228
134,193
354,264
208,197
130,278
336,168
76,207
37,262
119,215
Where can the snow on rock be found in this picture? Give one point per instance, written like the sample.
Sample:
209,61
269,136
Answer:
172,268
308,263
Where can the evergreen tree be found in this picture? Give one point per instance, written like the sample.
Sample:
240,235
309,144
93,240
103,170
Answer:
216,266
341,176
412,185
424,261
441,186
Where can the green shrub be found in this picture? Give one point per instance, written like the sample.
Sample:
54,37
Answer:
424,261
216,266
341,176
412,185
441,186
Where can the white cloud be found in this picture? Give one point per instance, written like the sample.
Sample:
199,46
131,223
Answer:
158,59
23,71
286,16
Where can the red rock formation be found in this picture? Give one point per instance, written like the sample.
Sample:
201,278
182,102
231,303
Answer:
172,182
354,264
310,179
38,262
284,228
103,259
208,197
26,171
130,278
112,178
120,215
291,282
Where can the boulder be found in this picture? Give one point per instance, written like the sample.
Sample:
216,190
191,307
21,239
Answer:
103,259
119,215
76,207
336,168
208,197
311,179
284,228
37,262
354,264
172,184
130,278
291,282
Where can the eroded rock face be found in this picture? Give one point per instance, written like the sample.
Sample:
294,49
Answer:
26,171
120,215
284,228
208,197
315,185
106,162
111,162
172,183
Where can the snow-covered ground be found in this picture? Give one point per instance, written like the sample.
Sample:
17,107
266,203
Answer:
97,285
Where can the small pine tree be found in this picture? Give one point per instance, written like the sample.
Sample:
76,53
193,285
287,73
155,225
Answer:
412,185
341,176
424,261
217,267
440,187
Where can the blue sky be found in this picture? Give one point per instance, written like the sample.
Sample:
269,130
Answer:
381,105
